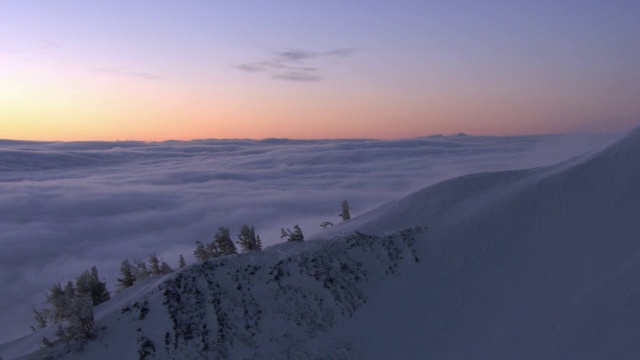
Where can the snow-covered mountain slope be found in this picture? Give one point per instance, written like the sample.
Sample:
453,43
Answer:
533,264
259,305
539,264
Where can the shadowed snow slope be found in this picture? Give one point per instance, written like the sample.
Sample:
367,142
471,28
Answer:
541,263
533,264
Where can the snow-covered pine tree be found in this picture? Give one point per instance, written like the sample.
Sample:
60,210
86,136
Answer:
204,252
69,296
223,242
89,283
292,236
84,282
72,310
127,279
200,252
181,262
56,300
140,270
99,292
40,316
80,321
154,265
165,268
345,215
248,240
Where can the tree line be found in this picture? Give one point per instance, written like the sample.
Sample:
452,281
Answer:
71,307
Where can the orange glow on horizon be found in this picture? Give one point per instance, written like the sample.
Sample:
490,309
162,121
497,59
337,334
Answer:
60,105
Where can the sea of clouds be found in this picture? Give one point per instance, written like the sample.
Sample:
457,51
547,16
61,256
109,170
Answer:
65,207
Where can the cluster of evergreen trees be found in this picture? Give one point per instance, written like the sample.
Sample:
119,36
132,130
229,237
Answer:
292,236
248,240
139,271
71,307
223,245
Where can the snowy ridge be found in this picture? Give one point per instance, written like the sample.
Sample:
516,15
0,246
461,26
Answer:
533,264
262,305
452,201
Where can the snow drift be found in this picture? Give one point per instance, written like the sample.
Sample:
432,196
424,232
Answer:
531,264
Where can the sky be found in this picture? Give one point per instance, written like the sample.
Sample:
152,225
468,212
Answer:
67,206
158,70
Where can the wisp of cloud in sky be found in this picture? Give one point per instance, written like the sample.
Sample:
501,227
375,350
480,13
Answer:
291,65
127,73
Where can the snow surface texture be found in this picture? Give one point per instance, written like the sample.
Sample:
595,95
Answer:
533,264
259,305
67,206
529,264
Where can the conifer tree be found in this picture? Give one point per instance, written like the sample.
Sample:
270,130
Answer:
154,265
69,295
127,279
40,316
89,283
99,292
224,243
200,252
345,215
292,236
181,262
81,321
204,252
165,268
72,310
140,270
248,240
61,334
56,299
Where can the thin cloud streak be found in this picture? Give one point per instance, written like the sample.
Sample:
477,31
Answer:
297,76
291,65
296,55
343,53
47,44
128,73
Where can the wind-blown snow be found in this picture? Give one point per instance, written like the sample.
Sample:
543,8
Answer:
68,206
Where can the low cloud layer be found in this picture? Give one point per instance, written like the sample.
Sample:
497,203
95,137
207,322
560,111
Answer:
296,64
68,206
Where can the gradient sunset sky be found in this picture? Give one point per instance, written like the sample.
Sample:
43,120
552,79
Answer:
158,70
